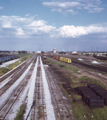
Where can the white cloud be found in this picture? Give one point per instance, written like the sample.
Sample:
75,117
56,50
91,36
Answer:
37,23
20,31
24,26
28,27
96,10
7,25
46,28
12,21
72,31
72,11
64,7
73,7
63,4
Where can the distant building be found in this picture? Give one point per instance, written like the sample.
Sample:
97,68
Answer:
62,52
54,50
39,52
74,53
4,52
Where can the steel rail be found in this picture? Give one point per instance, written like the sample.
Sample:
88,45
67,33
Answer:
42,94
11,105
33,104
93,74
22,85
41,86
7,85
5,76
51,88
41,90
19,86
2,78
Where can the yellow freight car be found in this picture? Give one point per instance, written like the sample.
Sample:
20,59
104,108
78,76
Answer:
69,60
61,58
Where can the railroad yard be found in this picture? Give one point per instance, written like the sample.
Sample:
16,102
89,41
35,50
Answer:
44,88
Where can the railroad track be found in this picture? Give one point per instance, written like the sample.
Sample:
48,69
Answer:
38,108
5,108
98,76
97,67
2,78
15,76
91,67
62,110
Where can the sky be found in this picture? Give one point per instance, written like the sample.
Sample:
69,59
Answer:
42,25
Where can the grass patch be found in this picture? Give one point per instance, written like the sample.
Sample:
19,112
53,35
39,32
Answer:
23,55
74,81
40,112
3,70
71,68
83,112
66,66
86,79
13,65
57,62
76,85
65,92
77,97
20,113
46,61
79,111
100,113
26,57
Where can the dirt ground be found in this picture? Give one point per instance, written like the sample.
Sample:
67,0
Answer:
68,79
82,71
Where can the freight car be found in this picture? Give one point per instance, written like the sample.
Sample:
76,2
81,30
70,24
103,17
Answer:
100,57
67,60
98,67
4,58
93,95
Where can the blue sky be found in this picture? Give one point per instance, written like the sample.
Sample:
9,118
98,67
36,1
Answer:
68,25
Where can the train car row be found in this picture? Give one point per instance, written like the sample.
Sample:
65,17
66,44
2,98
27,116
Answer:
4,58
93,95
67,60
98,67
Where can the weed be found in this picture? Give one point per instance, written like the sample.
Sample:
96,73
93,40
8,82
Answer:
20,113
13,65
65,92
71,68
3,70
86,79
79,111
77,97
40,113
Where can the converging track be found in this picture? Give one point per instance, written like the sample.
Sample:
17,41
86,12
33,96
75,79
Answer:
32,85
62,109
9,101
